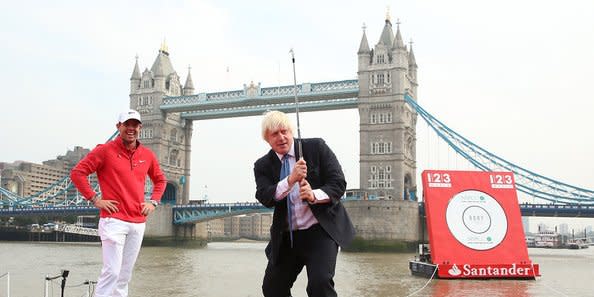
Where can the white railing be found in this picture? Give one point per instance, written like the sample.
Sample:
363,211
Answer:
7,283
78,230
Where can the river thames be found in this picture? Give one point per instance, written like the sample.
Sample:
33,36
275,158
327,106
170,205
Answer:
227,269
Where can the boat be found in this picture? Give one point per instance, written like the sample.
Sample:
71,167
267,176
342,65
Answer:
548,239
530,241
421,265
578,243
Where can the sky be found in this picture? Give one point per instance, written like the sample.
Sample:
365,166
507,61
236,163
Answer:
512,76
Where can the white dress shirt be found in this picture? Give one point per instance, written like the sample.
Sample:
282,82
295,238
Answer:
303,218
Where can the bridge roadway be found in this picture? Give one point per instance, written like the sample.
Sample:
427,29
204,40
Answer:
194,213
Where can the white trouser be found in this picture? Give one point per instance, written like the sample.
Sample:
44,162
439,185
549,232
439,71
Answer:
120,243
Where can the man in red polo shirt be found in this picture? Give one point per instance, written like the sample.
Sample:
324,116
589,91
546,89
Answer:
121,166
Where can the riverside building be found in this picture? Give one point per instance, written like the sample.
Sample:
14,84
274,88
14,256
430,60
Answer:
27,179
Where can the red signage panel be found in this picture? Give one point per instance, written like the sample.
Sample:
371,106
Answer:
475,225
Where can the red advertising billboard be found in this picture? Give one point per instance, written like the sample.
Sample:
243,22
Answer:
475,225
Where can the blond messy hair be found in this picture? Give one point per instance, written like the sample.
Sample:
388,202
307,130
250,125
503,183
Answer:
273,120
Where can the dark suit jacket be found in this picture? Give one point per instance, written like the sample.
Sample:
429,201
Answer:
323,172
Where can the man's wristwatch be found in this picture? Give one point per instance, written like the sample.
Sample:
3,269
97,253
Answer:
95,198
154,203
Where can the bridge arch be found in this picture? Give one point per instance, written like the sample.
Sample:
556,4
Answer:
408,193
169,197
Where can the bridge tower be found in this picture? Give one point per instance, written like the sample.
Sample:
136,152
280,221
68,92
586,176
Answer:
387,124
167,134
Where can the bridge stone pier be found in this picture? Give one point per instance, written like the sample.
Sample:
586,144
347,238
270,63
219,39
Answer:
387,131
161,231
159,223
384,225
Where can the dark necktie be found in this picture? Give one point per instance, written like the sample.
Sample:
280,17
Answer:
285,171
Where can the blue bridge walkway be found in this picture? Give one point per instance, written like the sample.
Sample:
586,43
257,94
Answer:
195,213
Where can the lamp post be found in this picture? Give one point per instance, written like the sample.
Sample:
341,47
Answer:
205,194
0,183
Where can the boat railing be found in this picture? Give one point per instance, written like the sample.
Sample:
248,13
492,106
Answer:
7,275
64,274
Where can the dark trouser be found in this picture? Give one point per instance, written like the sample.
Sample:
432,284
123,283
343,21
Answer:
313,248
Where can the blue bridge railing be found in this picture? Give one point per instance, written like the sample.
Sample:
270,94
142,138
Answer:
194,213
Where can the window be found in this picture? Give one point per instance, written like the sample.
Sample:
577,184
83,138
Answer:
381,148
380,59
173,161
173,136
380,177
146,133
381,118
145,100
380,79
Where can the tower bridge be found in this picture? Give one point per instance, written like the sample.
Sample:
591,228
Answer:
387,131
385,95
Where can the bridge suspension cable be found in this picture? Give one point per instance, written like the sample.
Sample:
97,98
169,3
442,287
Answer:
527,181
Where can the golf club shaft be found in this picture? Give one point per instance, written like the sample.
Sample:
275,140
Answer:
296,106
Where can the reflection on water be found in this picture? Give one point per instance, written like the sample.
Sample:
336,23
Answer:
503,288
236,269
